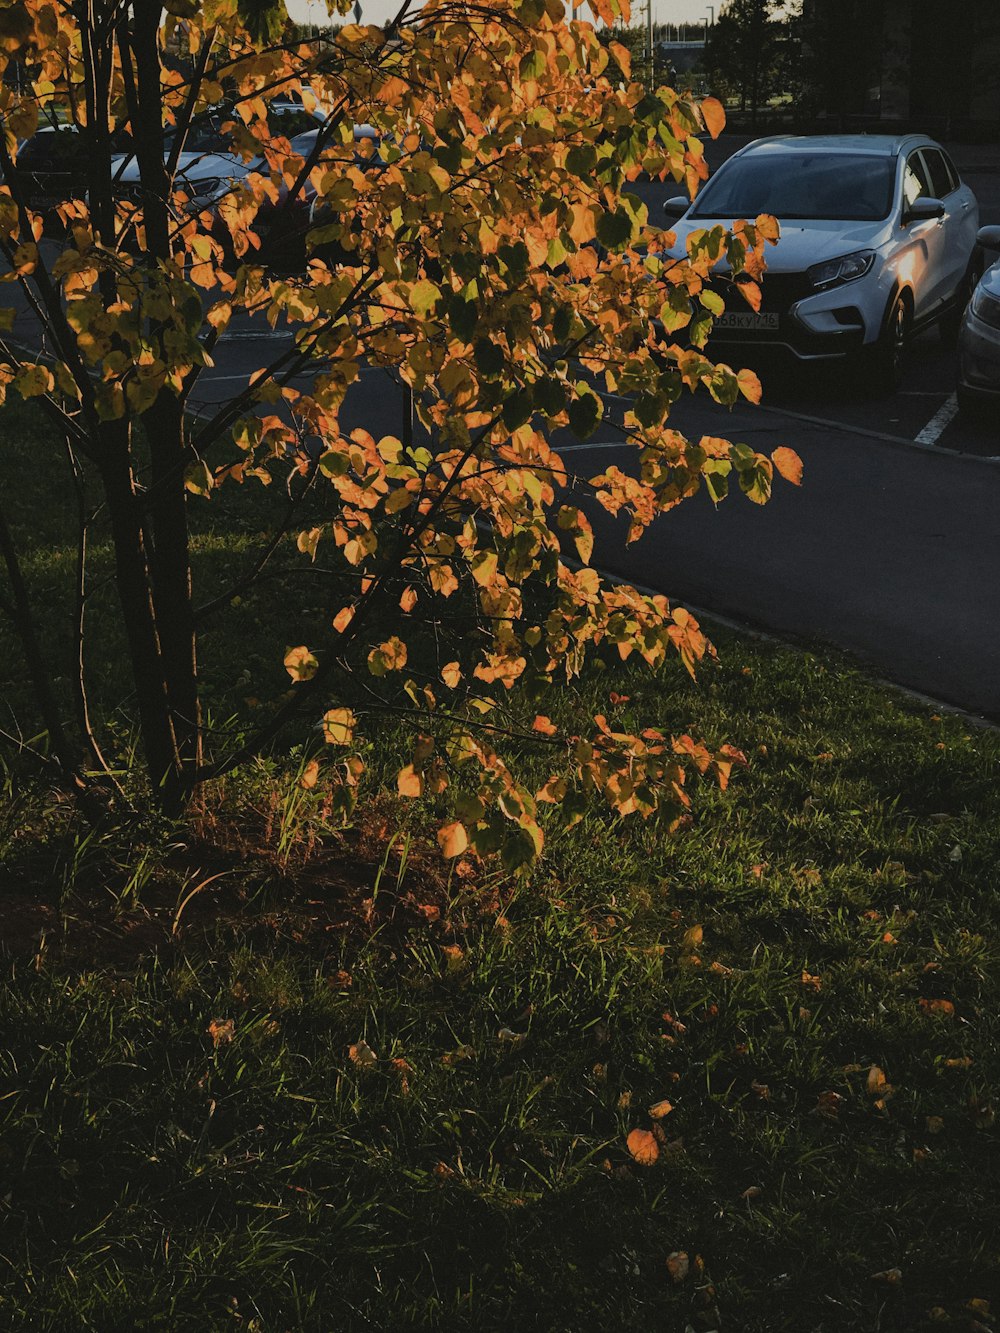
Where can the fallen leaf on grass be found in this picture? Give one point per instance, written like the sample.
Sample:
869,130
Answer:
660,1109
828,1104
463,1052
752,1192
362,1055
935,1124
944,1008
643,1147
891,1277
876,1084
693,937
221,1030
453,955
678,1265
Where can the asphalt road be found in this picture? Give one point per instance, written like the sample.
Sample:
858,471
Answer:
890,548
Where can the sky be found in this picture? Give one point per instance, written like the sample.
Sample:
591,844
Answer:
378,11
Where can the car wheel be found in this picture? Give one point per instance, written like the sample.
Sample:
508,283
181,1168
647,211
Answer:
951,321
887,358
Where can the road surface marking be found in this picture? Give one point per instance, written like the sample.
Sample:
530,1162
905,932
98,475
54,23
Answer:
939,422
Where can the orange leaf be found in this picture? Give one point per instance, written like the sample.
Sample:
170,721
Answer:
750,387
453,839
409,782
543,725
408,600
309,775
714,116
678,1265
876,1084
660,1109
643,1147
943,1007
789,464
767,226
451,674
221,1030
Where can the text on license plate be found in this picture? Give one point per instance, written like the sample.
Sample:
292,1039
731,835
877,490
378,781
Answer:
747,320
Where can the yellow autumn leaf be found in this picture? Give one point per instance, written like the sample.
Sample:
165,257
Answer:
693,937
714,115
338,726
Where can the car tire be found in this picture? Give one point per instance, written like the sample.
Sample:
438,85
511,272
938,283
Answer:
886,359
951,321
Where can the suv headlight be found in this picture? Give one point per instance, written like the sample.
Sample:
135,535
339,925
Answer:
986,306
837,271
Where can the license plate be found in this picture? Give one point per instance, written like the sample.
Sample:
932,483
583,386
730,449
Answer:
747,320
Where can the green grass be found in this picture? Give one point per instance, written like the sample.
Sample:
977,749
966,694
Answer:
475,1176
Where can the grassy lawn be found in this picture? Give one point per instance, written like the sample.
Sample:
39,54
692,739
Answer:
269,1075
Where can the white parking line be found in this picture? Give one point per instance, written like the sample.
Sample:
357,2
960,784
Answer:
939,422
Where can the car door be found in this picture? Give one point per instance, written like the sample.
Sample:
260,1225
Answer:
960,219
923,260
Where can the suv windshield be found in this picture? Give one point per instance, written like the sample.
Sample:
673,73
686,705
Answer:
853,187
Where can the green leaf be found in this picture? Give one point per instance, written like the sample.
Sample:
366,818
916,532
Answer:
582,160
712,302
549,395
614,230
198,478
517,409
584,413
489,358
701,327
463,316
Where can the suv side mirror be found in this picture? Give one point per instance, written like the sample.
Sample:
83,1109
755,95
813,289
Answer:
923,210
988,238
676,208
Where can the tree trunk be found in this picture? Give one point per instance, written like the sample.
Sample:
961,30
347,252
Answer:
135,595
167,503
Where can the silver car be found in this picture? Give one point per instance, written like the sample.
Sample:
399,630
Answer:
878,234
979,339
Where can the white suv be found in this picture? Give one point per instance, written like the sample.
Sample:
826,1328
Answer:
878,239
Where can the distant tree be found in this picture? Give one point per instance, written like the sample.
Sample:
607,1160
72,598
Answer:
746,52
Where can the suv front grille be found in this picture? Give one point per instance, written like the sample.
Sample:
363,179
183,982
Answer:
780,291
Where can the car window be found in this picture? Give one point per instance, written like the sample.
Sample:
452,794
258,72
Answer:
915,182
955,178
290,121
937,171
852,187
